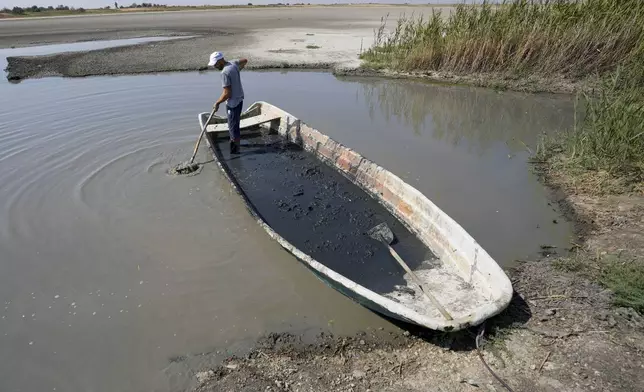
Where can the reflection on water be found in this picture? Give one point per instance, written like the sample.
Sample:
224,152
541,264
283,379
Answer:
109,267
477,117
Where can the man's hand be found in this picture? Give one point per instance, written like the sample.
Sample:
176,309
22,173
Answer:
215,107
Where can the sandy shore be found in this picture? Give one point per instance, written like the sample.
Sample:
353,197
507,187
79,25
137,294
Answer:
310,37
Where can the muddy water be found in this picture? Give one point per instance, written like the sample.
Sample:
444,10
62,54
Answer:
116,276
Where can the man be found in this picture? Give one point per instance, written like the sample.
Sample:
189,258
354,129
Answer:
233,94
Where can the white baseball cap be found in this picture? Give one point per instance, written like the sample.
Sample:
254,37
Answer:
214,57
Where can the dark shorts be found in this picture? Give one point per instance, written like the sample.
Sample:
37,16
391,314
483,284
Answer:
234,115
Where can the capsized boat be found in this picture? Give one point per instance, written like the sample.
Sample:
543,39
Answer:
319,199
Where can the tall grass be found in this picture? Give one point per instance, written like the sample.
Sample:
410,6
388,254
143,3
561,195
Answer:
609,139
599,40
569,38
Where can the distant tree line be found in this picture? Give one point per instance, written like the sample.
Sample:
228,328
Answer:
145,5
35,8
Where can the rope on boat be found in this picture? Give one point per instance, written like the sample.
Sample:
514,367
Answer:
479,336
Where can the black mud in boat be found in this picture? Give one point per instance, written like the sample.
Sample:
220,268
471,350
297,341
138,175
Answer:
319,199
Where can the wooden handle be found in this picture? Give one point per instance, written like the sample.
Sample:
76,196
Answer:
203,130
429,295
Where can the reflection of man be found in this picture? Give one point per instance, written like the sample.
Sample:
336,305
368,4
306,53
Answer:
233,94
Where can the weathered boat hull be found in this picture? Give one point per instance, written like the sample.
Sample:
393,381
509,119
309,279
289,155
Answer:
468,281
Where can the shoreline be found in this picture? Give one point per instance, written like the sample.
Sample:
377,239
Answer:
35,67
113,61
272,51
491,81
266,52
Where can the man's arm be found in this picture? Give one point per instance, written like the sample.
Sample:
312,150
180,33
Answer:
224,96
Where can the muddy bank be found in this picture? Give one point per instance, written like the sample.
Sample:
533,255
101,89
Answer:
560,334
191,54
188,54
532,84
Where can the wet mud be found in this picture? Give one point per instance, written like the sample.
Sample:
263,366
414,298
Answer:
320,211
